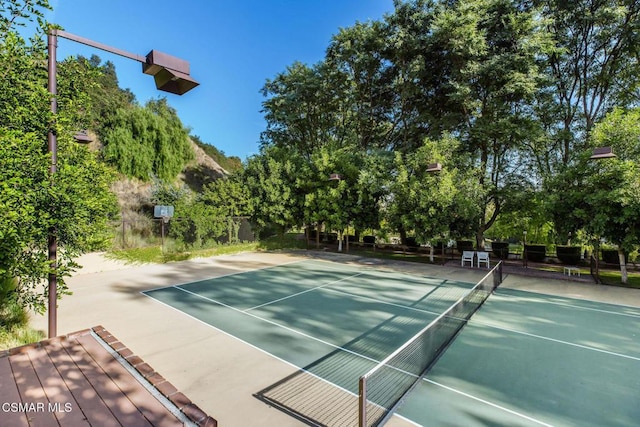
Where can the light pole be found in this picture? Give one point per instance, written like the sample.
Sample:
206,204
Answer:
337,177
524,248
598,154
436,168
171,74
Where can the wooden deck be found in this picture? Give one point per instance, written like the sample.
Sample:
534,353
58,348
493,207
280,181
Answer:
88,378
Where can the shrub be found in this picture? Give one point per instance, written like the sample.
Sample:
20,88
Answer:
569,254
536,253
610,256
464,245
412,244
500,249
369,240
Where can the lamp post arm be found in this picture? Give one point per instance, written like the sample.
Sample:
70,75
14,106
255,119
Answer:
85,41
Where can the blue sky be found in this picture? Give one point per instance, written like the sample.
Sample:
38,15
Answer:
232,46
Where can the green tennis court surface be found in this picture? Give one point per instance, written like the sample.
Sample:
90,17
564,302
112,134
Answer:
523,359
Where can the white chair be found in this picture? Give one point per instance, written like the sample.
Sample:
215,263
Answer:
467,256
483,257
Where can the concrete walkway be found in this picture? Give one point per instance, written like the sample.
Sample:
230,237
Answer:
219,372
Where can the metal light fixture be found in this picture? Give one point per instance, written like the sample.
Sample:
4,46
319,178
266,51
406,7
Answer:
434,167
82,137
603,153
171,74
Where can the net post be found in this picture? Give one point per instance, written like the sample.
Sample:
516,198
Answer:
362,401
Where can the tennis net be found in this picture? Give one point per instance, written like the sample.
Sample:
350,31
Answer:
384,386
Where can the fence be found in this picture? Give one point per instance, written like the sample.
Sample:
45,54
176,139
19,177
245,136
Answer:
144,231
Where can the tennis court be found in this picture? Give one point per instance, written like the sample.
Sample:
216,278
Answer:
523,359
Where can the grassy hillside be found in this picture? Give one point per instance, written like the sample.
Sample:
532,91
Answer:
230,164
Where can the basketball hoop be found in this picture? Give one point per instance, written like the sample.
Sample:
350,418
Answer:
164,213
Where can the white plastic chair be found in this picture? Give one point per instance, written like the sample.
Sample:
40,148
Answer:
483,257
467,256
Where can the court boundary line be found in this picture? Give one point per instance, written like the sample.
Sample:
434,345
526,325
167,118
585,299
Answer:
255,347
407,307
637,316
337,347
302,292
582,346
486,402
503,289
221,276
300,369
479,322
370,270
286,264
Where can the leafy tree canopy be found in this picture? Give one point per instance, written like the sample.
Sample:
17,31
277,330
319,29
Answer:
76,202
148,141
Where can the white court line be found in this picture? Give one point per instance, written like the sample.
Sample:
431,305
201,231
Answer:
337,347
279,359
486,402
222,275
505,292
392,304
474,320
637,316
599,350
303,292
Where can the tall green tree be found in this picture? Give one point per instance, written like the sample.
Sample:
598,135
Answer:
230,198
490,49
418,74
25,101
273,180
330,187
100,83
594,68
603,196
76,202
435,205
149,141
302,108
615,205
357,56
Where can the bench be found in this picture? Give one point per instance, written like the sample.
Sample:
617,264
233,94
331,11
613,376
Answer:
571,271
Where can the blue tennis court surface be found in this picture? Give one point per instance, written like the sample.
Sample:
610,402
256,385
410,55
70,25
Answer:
523,359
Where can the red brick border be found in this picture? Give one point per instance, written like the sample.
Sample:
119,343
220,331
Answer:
182,402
